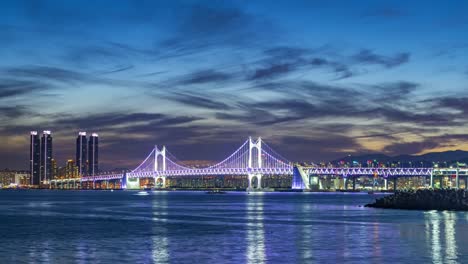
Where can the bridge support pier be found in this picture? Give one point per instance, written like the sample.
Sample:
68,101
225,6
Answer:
395,184
345,181
441,182
354,183
163,182
386,184
457,180
259,181
432,180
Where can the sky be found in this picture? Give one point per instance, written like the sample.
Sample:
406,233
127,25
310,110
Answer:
317,80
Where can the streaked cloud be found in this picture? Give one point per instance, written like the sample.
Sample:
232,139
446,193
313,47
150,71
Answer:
317,82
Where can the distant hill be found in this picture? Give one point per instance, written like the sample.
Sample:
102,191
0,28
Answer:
446,156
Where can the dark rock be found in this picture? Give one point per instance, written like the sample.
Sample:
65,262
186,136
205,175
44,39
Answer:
440,199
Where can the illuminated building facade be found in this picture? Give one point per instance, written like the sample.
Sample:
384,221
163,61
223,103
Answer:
71,170
81,152
46,157
34,158
93,154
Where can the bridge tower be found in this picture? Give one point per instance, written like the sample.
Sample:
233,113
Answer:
255,161
161,177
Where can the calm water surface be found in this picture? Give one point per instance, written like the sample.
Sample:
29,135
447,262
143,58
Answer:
194,227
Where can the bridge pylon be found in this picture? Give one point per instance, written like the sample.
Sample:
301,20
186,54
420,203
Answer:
255,162
160,152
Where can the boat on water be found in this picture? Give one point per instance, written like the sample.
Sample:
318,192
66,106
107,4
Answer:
215,192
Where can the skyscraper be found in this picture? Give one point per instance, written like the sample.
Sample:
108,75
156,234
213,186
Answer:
46,157
81,153
34,157
93,154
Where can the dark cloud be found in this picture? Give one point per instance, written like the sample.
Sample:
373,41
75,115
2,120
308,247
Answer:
286,60
160,125
14,88
286,53
207,20
46,72
457,103
202,28
426,144
39,77
400,87
280,61
198,101
91,55
105,120
254,116
366,56
206,76
318,148
342,70
388,102
272,71
119,69
108,57
13,111
425,118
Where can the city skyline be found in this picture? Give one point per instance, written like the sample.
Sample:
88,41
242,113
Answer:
319,82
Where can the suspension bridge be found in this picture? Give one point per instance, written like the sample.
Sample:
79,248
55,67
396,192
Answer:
254,159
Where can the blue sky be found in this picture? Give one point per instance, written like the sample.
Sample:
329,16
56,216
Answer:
316,79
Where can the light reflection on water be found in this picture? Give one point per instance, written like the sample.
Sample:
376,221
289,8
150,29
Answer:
160,252
255,230
188,227
451,247
441,236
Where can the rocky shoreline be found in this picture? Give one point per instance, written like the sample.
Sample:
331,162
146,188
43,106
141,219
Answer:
440,199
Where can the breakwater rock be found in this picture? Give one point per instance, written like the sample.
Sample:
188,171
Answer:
440,199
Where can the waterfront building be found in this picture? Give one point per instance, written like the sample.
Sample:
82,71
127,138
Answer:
46,157
81,153
71,170
7,178
22,178
34,158
54,169
93,154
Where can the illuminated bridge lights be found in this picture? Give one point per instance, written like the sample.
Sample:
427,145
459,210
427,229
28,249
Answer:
382,172
255,158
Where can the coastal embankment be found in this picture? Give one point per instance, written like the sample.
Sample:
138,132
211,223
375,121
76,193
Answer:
440,199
